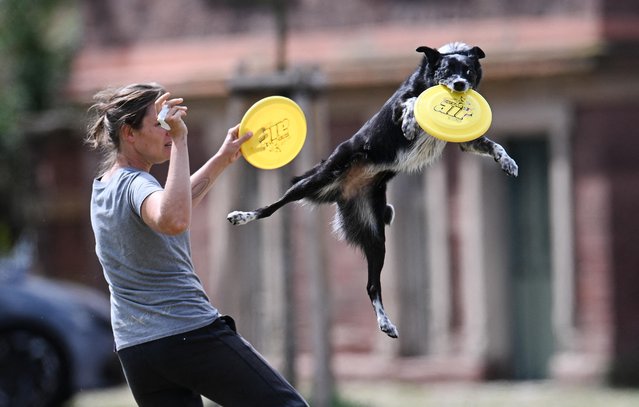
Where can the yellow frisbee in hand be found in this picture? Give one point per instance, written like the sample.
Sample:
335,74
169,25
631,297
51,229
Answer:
452,116
279,131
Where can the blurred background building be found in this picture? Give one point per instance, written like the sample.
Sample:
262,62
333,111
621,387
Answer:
486,277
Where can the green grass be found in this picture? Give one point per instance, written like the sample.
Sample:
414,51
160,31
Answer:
487,395
386,394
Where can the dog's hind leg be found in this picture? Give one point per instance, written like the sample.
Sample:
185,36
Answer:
362,222
312,187
375,253
485,146
241,218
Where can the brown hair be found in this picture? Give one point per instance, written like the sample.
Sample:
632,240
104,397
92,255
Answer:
113,108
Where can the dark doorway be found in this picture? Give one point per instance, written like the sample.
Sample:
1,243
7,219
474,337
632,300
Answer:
530,270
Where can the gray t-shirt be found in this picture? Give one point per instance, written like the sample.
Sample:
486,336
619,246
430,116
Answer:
155,292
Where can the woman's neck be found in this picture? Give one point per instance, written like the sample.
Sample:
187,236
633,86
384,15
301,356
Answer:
124,162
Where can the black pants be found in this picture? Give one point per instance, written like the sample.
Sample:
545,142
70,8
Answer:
213,361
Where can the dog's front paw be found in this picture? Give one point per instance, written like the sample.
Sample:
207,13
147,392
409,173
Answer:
410,127
509,166
241,218
409,130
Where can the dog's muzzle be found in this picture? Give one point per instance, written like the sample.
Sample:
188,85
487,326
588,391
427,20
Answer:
457,84
461,86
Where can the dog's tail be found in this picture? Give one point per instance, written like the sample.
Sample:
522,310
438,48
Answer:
389,214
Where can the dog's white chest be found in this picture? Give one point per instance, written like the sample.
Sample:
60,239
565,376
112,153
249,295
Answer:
425,150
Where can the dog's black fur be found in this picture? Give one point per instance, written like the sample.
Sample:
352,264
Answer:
355,175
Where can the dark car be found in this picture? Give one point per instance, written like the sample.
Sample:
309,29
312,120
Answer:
55,340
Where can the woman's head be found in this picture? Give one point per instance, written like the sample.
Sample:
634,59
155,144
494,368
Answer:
112,110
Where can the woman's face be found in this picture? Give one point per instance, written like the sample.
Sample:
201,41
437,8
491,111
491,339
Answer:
152,142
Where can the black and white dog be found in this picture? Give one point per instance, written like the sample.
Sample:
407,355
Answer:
355,175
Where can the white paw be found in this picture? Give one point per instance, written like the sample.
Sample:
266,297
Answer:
410,127
509,166
387,327
409,130
241,218
383,321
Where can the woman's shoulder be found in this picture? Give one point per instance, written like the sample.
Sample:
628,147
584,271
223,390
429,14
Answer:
124,174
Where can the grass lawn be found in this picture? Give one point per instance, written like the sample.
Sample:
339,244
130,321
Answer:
486,395
376,394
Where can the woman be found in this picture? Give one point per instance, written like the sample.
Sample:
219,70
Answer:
172,343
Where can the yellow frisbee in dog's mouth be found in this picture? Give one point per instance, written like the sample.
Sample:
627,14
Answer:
452,116
279,131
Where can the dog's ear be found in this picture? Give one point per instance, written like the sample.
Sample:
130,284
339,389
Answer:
431,54
476,52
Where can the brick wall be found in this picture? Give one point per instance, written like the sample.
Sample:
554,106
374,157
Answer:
606,200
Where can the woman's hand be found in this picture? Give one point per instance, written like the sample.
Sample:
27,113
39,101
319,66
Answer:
203,179
229,152
174,117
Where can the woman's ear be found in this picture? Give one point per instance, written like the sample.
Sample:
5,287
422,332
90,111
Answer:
127,133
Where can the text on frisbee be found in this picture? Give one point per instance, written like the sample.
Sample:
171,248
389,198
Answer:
279,131
452,116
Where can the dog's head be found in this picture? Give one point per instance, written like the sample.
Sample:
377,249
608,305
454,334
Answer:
455,65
